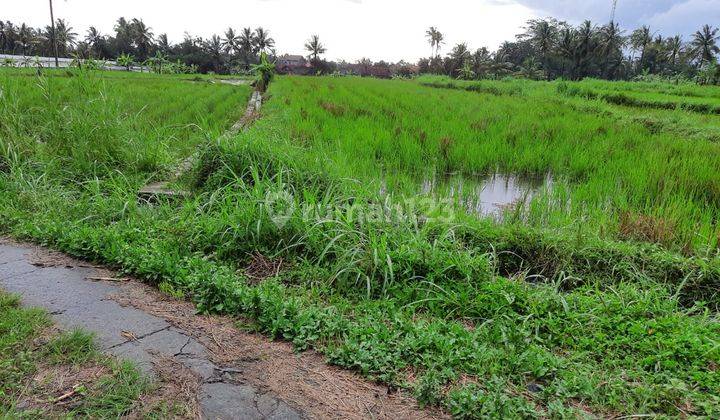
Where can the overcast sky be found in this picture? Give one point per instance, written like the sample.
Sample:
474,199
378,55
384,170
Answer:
351,29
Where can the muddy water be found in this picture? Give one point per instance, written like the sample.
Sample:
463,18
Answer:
487,195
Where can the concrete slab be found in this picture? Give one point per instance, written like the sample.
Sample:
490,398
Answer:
152,192
129,333
236,82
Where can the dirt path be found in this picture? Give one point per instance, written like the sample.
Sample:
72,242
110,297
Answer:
239,375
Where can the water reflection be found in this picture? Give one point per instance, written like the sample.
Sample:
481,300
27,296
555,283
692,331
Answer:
487,195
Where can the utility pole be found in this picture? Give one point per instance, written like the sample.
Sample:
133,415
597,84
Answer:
54,35
612,14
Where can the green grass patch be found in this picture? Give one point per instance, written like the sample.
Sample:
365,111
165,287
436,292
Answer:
35,363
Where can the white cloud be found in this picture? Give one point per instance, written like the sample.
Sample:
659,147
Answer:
687,17
666,16
629,12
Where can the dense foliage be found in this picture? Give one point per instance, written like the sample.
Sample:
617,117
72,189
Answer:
550,49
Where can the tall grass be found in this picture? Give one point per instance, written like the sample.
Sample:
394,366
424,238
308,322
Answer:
84,124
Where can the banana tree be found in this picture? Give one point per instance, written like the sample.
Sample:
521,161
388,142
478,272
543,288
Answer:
264,72
125,60
156,62
466,72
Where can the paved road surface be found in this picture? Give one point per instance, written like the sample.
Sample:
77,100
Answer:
74,301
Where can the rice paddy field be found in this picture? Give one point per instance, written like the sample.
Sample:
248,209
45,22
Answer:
495,248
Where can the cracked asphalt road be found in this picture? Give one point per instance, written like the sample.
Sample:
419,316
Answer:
129,333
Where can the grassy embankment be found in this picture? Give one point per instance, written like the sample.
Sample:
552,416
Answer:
548,313
685,96
688,110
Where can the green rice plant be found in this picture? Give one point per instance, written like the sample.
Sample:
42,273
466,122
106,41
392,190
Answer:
401,132
84,125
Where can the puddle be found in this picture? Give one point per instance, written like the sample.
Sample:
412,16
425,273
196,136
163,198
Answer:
486,195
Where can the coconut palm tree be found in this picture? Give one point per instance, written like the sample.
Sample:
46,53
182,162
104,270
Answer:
11,36
95,40
530,69
25,38
315,47
430,35
123,36
65,38
230,41
656,55
543,36
214,48
459,55
435,39
612,41
481,62
705,45
639,40
501,65
3,37
262,40
439,41
246,42
587,44
566,42
460,52
142,37
163,44
566,47
674,49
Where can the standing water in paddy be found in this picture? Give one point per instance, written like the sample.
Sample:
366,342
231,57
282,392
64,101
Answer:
487,195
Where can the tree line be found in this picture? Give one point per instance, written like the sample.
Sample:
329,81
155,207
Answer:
132,42
546,49
550,49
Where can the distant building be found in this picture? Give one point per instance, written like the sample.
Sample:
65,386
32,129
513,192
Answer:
28,61
292,64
